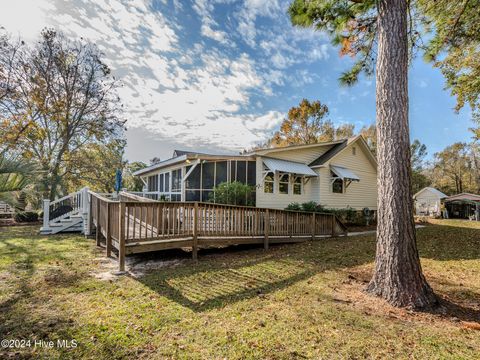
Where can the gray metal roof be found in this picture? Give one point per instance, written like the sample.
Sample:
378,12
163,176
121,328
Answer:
344,173
160,165
288,166
330,153
463,197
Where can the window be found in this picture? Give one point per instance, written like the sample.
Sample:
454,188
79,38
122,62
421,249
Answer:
160,179
268,183
337,185
152,183
176,180
297,186
167,182
283,184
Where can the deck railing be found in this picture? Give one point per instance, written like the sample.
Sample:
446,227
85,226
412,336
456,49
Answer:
134,223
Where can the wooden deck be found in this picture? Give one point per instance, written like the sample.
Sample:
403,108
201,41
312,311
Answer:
134,225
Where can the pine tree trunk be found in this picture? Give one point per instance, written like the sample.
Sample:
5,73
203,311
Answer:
398,275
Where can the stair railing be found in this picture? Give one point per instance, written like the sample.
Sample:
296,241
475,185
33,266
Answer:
76,202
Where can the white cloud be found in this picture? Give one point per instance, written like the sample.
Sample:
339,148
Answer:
194,94
249,13
204,8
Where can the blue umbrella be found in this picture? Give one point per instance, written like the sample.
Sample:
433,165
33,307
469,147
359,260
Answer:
118,180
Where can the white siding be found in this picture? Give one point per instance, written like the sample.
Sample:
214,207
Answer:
305,156
358,195
427,203
280,201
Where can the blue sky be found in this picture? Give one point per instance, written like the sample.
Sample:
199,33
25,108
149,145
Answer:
219,75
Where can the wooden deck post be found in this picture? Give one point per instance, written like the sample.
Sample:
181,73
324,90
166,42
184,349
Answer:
333,225
97,228
108,232
195,232
313,226
266,229
121,236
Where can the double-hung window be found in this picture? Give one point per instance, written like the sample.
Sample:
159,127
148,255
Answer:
283,183
268,183
297,185
337,184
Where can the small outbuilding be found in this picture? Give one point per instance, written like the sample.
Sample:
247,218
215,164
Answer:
428,202
463,206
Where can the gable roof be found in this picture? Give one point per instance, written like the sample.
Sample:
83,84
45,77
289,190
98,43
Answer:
330,153
186,152
338,148
432,190
265,151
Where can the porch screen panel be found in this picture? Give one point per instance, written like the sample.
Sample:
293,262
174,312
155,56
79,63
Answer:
193,195
208,175
193,180
221,172
233,170
251,173
206,195
242,171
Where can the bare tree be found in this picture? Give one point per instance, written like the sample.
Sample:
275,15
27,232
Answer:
61,97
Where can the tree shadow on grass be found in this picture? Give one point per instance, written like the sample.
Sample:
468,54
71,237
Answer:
453,309
25,311
228,275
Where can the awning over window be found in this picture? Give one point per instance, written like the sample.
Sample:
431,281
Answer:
288,167
344,173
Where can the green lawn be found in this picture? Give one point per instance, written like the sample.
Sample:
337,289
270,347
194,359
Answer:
292,301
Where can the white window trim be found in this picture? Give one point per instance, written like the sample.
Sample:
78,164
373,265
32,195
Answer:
301,184
280,175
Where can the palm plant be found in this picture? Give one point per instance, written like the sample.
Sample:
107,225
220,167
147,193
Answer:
15,173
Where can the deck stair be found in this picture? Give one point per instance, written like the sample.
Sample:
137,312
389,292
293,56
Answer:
67,214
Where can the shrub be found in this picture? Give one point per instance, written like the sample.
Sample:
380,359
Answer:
347,215
294,206
233,193
310,206
26,216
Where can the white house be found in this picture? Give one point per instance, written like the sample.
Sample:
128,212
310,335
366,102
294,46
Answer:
428,201
336,174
